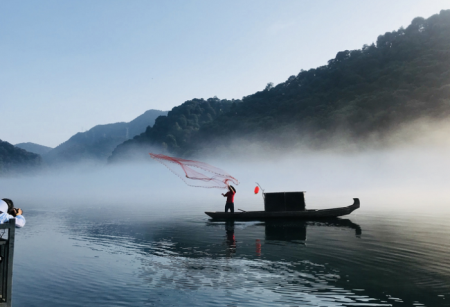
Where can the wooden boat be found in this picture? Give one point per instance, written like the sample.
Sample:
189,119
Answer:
311,214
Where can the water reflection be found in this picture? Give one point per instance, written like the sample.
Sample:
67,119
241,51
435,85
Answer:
288,230
310,263
278,230
230,238
252,271
283,230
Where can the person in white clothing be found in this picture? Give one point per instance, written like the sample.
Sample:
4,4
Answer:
7,212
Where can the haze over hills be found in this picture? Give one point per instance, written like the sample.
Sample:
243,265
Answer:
34,148
99,142
176,129
14,159
360,96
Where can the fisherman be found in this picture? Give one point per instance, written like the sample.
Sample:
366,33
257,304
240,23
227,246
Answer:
8,211
230,199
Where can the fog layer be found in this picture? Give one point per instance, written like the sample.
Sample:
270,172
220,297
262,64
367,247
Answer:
407,178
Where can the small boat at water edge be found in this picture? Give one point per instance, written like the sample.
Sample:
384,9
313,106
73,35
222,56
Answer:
311,214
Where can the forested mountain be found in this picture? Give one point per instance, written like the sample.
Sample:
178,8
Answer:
403,77
16,159
175,131
360,94
99,142
34,148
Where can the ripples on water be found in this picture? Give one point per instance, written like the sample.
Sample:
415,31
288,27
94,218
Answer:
102,259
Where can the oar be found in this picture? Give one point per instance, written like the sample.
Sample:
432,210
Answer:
242,210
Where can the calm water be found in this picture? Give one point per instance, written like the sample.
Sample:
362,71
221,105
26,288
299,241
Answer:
105,254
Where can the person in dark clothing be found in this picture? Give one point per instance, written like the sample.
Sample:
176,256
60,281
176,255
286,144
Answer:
230,199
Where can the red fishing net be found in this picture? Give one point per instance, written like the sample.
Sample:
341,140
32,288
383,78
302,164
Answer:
204,176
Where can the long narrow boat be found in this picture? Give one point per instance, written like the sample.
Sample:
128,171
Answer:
311,214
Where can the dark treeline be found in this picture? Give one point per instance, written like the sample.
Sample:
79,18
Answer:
14,159
403,77
174,132
373,90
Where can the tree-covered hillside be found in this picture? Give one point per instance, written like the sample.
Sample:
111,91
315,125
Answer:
16,159
404,76
174,132
360,94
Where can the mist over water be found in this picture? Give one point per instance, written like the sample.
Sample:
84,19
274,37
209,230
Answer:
407,177
134,234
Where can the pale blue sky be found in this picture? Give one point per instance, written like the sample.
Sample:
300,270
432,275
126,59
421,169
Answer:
67,66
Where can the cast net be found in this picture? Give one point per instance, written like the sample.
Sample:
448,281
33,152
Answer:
199,174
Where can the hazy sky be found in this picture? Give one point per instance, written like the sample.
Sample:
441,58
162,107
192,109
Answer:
67,66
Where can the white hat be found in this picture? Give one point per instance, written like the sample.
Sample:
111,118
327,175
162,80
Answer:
3,206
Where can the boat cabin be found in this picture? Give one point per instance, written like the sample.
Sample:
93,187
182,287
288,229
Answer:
284,201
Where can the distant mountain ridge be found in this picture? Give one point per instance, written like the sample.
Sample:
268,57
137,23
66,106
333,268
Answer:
14,159
34,148
99,142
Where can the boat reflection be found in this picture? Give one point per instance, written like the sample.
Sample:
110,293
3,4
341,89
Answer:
284,231
279,230
288,230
